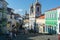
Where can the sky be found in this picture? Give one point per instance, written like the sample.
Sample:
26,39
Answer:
20,6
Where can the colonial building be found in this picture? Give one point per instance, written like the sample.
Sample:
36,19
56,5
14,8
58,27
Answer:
52,22
58,22
35,12
14,21
19,21
3,16
26,20
41,24
11,22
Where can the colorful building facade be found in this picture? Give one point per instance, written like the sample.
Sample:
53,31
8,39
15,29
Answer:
41,24
52,21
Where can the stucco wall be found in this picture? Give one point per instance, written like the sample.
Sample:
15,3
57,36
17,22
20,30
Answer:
40,24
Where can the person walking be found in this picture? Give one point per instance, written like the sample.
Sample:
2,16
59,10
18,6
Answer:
10,34
14,32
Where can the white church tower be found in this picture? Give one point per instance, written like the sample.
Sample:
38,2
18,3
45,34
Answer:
35,12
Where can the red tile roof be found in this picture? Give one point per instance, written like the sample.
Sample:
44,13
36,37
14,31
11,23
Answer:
53,8
42,17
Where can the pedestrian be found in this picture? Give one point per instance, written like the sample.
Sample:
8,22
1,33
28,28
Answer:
11,34
14,32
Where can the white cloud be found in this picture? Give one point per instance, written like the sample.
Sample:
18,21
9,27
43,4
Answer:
18,10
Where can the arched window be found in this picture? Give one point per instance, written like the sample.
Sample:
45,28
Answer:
37,9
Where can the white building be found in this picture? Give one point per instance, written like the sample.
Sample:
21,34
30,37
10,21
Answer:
58,20
35,12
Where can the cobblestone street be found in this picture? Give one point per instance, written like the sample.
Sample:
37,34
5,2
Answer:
37,37
32,37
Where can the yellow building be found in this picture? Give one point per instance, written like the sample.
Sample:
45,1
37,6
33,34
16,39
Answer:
41,24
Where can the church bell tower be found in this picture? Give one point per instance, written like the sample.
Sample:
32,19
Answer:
37,8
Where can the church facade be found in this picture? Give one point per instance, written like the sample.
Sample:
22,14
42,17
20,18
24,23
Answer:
34,17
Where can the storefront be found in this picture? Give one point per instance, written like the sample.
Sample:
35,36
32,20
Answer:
50,29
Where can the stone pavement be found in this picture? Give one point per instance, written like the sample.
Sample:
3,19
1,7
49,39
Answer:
45,37
32,37
37,37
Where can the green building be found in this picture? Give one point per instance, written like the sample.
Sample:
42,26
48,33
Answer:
51,17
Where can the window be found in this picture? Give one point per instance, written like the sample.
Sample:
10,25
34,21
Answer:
59,17
37,9
46,28
54,29
31,10
47,16
50,15
53,16
59,27
43,29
